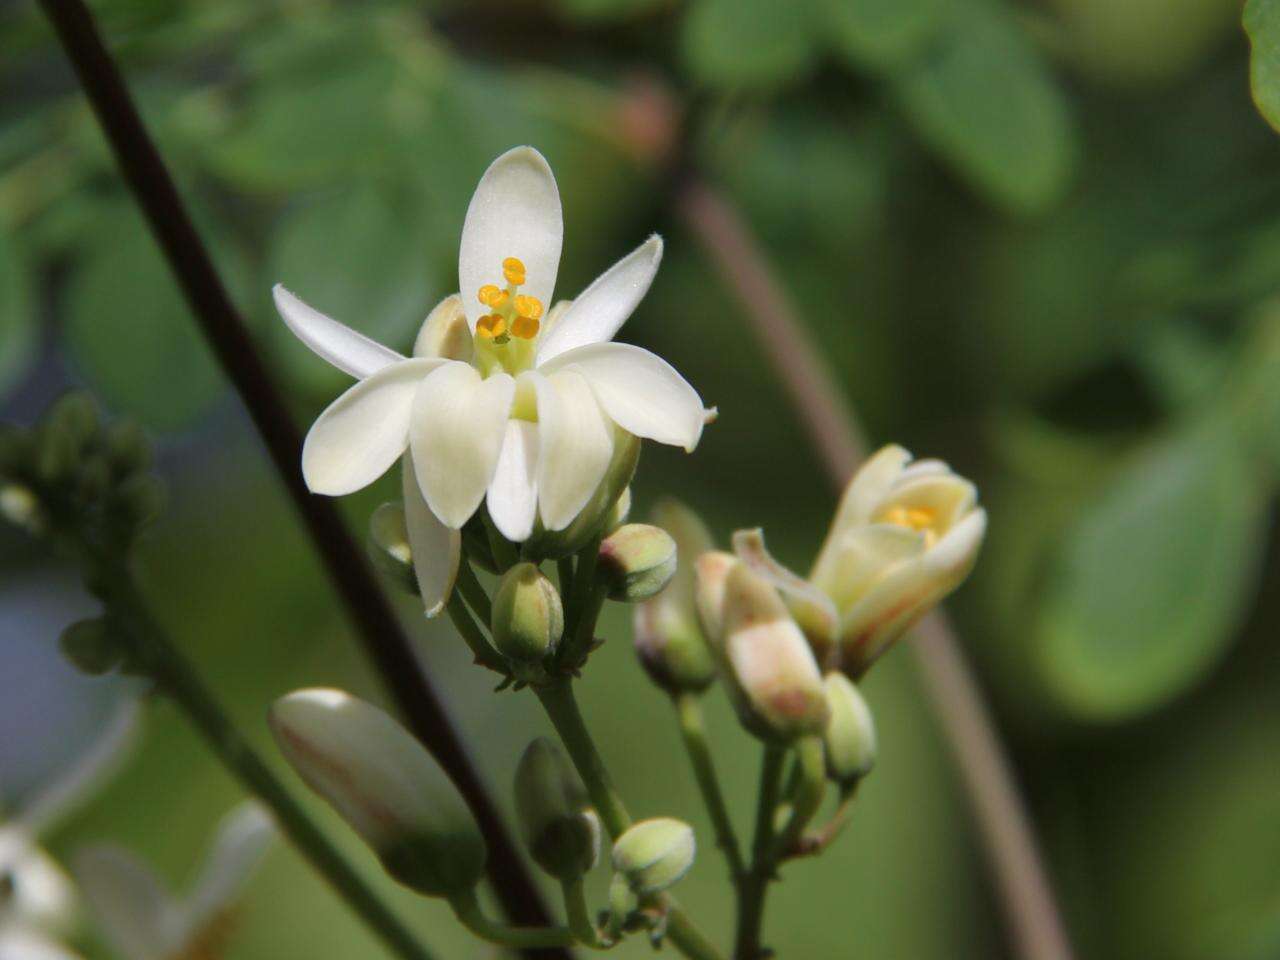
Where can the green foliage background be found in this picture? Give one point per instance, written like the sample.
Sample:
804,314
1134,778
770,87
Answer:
1038,239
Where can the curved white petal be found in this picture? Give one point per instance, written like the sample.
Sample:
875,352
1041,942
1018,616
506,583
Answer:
436,550
41,894
360,434
862,557
513,492
865,490
136,913
515,212
445,332
459,421
238,847
575,445
20,943
601,310
349,351
641,392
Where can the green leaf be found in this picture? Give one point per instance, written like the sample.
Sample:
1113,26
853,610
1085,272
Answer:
882,34
18,331
748,43
606,10
365,257
984,99
1152,580
1262,24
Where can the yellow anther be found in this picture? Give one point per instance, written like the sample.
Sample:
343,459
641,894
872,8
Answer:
917,518
528,306
492,296
513,270
491,326
526,328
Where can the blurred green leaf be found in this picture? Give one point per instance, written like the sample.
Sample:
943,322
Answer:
882,34
1151,582
18,330
748,43
363,256
1262,24
985,100
602,10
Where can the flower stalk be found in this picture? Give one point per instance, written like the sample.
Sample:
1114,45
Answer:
694,735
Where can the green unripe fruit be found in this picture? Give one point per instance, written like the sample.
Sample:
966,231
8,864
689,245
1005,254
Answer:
636,561
561,832
528,619
654,854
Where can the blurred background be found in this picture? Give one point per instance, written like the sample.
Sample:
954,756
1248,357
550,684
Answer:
1037,239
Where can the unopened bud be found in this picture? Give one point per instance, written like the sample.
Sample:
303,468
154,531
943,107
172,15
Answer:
21,507
385,785
562,833
445,332
711,573
137,501
773,676
668,635
850,737
389,548
654,854
528,619
127,448
637,561
91,647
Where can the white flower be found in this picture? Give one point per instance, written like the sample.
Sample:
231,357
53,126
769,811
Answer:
518,409
38,902
142,920
904,536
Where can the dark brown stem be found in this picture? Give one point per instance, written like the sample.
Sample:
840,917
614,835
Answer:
383,638
1004,824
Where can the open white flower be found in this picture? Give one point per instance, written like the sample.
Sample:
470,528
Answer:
904,536
519,409
142,920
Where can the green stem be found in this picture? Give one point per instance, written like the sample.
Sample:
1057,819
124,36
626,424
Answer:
751,890
813,843
583,608
485,654
176,677
474,593
580,922
564,572
693,730
805,801
469,912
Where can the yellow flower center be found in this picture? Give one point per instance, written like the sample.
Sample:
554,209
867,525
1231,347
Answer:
915,518
513,314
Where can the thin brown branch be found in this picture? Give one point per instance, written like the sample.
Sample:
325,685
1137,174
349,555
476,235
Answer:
381,634
1005,826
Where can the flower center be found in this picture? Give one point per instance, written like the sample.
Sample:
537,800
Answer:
512,314
915,518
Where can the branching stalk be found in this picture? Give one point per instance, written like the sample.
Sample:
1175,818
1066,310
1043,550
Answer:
469,912
693,732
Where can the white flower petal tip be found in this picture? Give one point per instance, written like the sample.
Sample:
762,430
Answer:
242,840
601,310
348,350
436,550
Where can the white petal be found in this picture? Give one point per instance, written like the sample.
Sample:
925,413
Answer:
41,894
138,916
515,212
349,351
575,444
20,943
863,557
813,610
513,492
435,548
602,309
641,392
445,332
238,847
360,434
864,492
459,421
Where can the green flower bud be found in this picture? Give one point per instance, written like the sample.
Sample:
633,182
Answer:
668,636
137,501
388,546
654,854
637,561
91,647
528,619
562,833
127,448
850,737
383,783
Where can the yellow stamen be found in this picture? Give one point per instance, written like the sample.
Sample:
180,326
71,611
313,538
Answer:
513,270
528,306
526,328
491,326
492,296
915,518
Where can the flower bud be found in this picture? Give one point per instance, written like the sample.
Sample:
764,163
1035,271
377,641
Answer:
136,502
63,433
385,785
562,833
654,854
668,635
773,676
445,332
90,646
127,448
711,573
850,737
20,506
636,562
388,546
528,619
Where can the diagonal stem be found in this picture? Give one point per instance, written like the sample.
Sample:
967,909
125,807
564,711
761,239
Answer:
693,731
1004,823
380,632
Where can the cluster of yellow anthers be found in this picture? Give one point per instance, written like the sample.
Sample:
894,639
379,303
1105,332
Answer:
915,518
514,314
